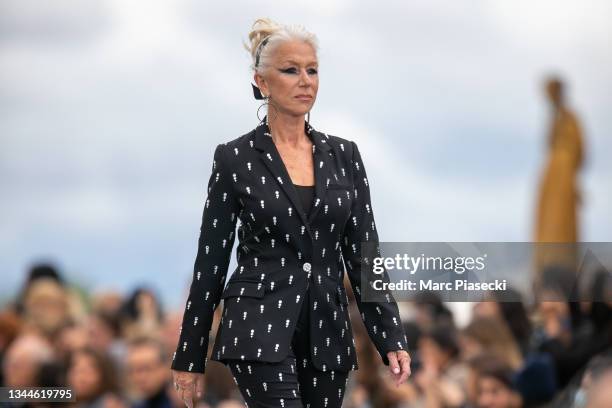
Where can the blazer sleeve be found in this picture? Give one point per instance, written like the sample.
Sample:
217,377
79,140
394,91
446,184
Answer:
382,319
215,244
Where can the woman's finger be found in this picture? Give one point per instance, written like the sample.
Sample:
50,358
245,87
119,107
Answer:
198,386
188,398
405,363
393,364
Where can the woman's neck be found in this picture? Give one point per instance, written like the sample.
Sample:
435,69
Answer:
287,129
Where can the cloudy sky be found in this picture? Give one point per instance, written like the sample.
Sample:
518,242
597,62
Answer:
110,112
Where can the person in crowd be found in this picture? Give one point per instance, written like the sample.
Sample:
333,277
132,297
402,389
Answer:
23,359
491,383
40,270
10,326
568,333
598,383
103,331
148,374
108,302
509,307
71,337
141,314
490,334
430,310
45,307
93,378
442,376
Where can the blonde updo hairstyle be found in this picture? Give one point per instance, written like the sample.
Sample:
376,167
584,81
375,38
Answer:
278,33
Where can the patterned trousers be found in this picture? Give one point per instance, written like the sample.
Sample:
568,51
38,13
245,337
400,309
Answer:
292,382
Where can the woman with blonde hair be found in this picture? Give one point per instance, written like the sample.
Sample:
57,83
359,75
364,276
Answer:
303,201
492,335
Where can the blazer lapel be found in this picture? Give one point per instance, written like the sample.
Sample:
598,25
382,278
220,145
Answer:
322,170
271,157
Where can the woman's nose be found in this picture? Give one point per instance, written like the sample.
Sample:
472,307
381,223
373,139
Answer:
304,77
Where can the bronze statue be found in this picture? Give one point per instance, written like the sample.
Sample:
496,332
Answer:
559,196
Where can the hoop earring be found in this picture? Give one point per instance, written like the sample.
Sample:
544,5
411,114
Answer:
308,118
260,106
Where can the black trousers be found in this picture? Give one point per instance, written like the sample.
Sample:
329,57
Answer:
292,382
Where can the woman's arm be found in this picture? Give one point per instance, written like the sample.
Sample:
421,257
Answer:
381,319
213,255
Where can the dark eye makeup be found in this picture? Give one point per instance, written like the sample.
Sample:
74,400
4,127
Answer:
292,70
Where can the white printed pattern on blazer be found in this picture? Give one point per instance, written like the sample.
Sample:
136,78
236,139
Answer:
281,252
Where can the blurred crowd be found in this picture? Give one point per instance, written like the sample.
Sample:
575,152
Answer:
114,350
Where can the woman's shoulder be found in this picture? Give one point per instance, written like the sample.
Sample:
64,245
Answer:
245,139
235,144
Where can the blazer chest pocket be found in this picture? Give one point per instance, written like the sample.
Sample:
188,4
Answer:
244,288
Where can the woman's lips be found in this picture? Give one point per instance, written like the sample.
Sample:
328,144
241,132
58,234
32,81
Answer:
304,97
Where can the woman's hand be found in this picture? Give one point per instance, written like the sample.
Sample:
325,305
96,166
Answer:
188,386
399,365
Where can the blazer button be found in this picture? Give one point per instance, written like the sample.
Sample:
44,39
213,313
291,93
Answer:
306,267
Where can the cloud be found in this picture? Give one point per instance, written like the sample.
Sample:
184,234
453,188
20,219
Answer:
55,23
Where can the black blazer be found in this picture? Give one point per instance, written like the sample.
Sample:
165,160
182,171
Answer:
281,252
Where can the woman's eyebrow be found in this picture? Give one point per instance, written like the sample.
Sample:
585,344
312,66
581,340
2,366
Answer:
297,63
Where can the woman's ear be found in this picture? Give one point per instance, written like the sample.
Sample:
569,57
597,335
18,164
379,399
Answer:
261,84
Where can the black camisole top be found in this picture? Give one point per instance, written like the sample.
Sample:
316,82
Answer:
306,194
